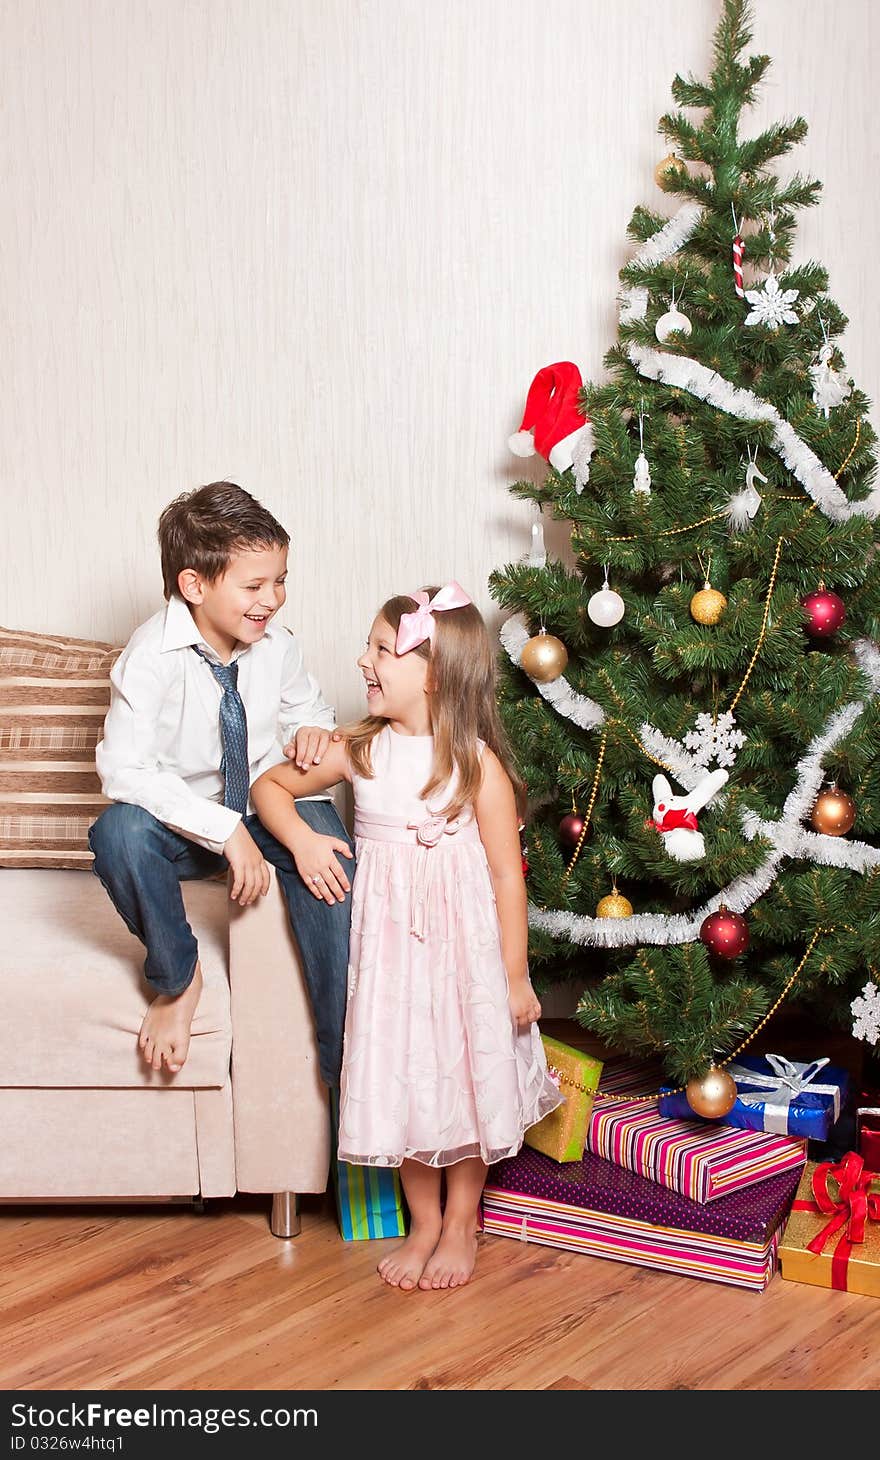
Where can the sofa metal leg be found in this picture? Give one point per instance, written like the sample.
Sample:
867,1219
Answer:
285,1214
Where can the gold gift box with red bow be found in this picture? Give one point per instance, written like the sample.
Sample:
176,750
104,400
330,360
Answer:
832,1239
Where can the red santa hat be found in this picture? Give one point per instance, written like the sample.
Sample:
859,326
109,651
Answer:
553,421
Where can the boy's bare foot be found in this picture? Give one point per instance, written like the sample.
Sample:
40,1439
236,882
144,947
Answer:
453,1259
164,1036
404,1266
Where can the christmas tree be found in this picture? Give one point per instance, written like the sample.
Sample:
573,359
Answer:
703,775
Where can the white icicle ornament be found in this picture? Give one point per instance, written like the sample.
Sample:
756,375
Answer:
536,557
642,476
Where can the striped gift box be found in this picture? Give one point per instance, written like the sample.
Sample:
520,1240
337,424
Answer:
54,694
623,1075
369,1199
601,1210
701,1162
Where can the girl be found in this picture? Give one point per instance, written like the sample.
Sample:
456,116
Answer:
443,1064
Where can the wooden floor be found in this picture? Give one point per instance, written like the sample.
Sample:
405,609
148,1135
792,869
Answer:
153,1299
164,1298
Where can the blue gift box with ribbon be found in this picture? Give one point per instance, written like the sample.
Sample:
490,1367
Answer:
779,1095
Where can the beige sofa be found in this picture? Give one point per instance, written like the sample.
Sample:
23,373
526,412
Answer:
81,1117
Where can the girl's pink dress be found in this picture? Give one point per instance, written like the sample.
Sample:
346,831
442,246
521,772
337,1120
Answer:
434,1067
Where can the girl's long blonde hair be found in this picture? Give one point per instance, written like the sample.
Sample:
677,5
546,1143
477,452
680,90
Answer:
461,671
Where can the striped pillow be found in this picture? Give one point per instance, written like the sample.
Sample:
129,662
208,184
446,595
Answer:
54,694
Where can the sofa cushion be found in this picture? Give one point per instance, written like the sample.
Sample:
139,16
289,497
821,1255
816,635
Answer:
54,694
73,994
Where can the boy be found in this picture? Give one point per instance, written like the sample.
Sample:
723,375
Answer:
204,697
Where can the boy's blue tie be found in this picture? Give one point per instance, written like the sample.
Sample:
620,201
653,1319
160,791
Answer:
234,767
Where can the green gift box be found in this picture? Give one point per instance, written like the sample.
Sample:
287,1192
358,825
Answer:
369,1199
563,1133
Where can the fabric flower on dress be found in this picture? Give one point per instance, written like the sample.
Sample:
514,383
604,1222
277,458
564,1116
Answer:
771,305
429,831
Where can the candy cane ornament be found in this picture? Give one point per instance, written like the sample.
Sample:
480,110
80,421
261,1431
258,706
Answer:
739,249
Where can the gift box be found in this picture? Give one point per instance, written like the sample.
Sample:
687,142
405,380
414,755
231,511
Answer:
563,1132
832,1239
868,1134
779,1095
602,1210
623,1075
701,1161
369,1199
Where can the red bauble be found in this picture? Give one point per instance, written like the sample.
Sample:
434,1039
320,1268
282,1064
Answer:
725,934
525,866
570,828
825,613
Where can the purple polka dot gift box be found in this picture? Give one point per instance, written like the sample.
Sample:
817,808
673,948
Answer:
603,1210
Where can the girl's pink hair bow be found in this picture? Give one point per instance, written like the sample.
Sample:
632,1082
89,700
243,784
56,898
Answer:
416,627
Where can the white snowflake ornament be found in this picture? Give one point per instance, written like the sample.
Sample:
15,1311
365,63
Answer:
866,1014
771,305
715,739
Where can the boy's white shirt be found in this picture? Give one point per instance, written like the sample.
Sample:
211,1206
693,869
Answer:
162,748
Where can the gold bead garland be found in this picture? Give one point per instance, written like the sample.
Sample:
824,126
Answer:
591,803
567,1080
671,531
762,635
852,450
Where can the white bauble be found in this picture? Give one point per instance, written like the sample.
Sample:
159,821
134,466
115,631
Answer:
606,608
671,321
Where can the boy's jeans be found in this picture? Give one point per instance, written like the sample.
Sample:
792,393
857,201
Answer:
142,862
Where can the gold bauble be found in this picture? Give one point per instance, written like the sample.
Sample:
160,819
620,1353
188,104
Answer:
834,812
712,1095
669,165
544,657
614,905
708,605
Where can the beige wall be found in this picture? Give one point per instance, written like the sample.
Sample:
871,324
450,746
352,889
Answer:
321,246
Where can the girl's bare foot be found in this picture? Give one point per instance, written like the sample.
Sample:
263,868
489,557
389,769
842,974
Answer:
453,1259
403,1267
165,1032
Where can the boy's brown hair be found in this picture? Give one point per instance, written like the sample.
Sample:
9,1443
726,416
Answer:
202,530
463,704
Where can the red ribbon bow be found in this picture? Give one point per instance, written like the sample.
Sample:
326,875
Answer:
671,820
854,1205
